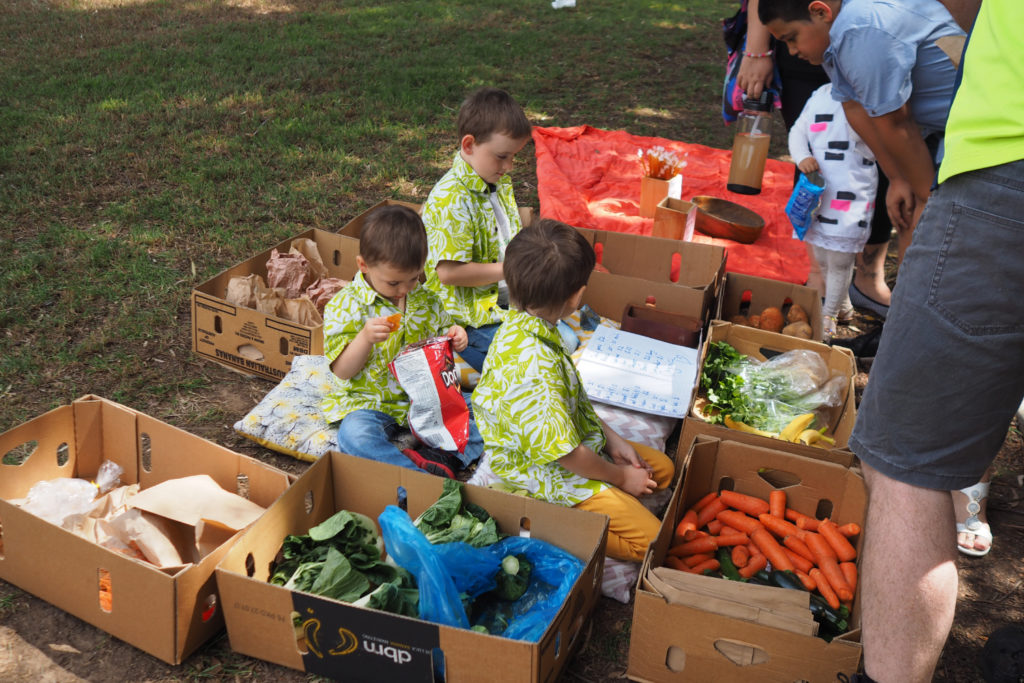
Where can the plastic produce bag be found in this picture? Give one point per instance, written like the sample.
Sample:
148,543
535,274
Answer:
57,499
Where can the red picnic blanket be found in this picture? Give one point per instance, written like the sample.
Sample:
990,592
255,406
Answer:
590,178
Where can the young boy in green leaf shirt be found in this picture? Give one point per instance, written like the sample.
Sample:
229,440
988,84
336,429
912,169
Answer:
539,428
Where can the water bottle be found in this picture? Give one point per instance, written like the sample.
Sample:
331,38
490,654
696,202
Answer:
750,146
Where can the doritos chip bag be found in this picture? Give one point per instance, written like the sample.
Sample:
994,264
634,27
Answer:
438,414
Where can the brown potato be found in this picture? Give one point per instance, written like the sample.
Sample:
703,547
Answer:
739,319
798,329
771,319
796,314
754,321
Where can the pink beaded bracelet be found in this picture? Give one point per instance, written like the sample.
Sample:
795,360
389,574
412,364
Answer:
758,55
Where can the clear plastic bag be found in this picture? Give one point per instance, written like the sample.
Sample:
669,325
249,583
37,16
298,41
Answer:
789,385
57,499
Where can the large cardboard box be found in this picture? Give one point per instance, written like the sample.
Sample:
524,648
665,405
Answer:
759,293
256,343
385,647
165,614
355,226
674,276
681,633
762,344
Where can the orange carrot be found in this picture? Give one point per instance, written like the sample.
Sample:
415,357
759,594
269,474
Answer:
819,547
704,544
694,533
731,539
849,529
740,556
834,576
752,505
800,563
706,565
849,570
806,580
778,526
726,530
694,560
777,503
798,547
771,549
845,552
824,588
714,527
708,512
756,563
689,521
801,520
675,563
704,501
739,520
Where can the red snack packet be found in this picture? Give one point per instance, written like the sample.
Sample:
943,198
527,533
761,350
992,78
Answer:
438,414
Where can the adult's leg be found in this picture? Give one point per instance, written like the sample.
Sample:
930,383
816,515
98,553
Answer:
869,271
908,587
367,434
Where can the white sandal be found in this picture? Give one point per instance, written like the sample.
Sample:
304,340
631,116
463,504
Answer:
972,525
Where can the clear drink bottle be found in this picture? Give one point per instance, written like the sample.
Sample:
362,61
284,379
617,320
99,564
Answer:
750,146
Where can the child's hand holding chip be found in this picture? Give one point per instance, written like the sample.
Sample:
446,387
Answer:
458,336
377,330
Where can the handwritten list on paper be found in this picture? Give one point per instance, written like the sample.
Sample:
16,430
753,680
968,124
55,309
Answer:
637,372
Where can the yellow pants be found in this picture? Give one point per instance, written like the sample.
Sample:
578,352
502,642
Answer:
631,526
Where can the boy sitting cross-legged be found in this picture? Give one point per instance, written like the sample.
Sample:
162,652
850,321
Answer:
540,431
360,341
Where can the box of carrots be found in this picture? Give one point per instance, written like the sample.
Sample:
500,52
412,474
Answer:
754,573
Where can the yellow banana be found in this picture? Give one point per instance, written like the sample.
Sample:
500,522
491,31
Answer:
796,426
813,437
743,427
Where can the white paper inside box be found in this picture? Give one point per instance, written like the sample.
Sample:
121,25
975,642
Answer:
688,627
165,613
362,644
683,277
761,344
761,293
257,343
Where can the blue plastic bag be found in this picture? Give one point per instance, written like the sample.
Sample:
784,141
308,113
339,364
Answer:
804,201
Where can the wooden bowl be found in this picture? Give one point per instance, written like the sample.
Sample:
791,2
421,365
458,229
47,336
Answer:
727,220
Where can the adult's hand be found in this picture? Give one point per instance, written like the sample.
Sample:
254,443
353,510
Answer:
754,75
900,203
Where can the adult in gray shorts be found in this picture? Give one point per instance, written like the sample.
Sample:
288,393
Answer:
949,373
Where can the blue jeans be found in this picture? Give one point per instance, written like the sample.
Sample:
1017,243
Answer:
368,433
480,339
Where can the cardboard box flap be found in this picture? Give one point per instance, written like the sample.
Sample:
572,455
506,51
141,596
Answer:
190,500
40,449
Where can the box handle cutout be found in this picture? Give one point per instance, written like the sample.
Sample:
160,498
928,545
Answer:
740,654
250,352
106,590
675,659
824,509
745,299
599,251
524,527
20,453
402,498
211,607
283,346
218,326
300,632
779,479
675,267
726,484
1,538
63,454
336,257
146,447
242,485
769,353
558,645
250,566
307,502
437,662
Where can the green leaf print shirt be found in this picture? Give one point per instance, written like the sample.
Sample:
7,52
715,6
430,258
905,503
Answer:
374,387
461,226
531,409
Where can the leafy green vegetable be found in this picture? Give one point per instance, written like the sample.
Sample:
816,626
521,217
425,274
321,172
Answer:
449,520
514,577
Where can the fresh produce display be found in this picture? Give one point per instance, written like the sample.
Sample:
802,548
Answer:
787,397
740,537
794,323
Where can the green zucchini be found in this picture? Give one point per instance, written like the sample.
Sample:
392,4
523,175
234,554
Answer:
728,569
786,579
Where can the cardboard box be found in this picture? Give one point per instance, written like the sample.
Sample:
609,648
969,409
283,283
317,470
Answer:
762,344
678,277
682,632
761,293
165,614
383,646
257,343
355,226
